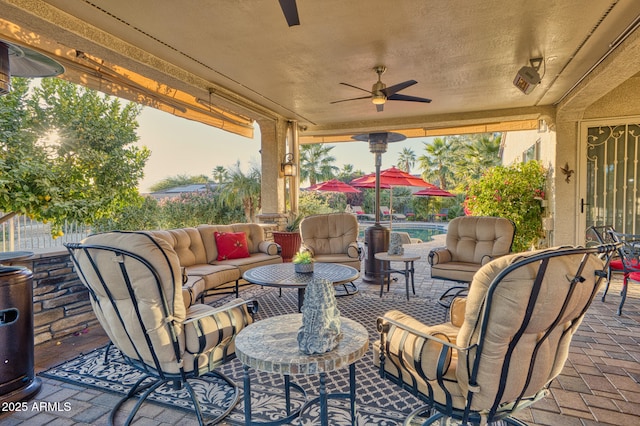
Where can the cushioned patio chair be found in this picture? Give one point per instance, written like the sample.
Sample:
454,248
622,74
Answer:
361,215
332,238
135,288
471,242
386,213
504,343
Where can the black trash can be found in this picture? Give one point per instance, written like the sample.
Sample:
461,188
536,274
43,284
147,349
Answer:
17,378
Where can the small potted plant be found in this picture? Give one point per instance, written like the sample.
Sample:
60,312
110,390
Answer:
303,262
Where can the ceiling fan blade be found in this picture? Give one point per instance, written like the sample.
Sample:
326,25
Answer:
392,90
356,87
350,99
290,10
398,97
379,107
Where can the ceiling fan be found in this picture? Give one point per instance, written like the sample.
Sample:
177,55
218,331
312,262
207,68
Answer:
380,93
290,10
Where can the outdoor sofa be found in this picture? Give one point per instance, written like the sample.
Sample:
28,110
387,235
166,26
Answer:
211,266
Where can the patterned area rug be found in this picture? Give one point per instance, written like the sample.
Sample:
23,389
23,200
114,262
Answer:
379,402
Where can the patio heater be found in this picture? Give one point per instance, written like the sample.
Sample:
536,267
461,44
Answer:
376,237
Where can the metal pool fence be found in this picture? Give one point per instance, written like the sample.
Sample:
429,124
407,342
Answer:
22,233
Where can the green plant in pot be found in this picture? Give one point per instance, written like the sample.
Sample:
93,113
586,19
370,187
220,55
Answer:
303,262
289,239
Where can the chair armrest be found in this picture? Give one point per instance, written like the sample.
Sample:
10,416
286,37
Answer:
439,255
304,248
456,311
252,308
353,250
488,258
429,346
269,247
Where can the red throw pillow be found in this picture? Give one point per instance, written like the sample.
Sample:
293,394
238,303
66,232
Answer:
231,245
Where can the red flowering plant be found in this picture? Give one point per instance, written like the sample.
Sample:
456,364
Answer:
514,192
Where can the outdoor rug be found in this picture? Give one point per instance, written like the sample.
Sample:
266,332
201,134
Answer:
379,402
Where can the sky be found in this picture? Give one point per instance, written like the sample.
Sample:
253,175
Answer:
184,147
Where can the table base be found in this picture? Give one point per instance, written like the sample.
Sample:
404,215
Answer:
407,272
322,399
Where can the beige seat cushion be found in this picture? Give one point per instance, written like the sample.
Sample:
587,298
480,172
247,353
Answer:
331,238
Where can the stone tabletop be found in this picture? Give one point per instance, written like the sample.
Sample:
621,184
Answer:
395,258
283,274
271,345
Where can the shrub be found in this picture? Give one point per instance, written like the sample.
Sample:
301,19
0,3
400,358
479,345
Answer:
515,193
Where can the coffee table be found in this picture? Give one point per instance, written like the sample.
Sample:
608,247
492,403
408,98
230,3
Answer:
282,275
271,346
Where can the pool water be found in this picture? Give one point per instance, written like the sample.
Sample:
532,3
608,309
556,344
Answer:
424,232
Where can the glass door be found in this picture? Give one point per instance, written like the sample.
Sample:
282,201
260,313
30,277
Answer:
611,194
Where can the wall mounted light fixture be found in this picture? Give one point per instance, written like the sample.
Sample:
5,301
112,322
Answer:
288,167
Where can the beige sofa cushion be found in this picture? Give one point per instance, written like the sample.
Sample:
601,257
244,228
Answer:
187,243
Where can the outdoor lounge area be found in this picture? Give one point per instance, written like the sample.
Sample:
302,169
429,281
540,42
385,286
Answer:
600,383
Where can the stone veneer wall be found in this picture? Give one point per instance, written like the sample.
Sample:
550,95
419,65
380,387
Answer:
60,302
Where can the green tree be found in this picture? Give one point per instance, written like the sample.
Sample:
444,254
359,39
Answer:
406,159
243,189
512,192
477,155
438,162
316,163
68,154
220,174
179,180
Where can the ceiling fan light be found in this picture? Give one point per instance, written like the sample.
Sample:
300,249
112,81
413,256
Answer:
378,99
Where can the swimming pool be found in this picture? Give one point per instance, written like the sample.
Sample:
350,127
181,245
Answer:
424,231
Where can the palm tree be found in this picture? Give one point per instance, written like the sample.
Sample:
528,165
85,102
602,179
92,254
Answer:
243,189
438,162
316,164
406,159
220,174
481,153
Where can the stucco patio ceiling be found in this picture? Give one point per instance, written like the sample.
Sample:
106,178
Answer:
244,57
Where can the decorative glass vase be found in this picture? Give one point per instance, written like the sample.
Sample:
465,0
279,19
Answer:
303,268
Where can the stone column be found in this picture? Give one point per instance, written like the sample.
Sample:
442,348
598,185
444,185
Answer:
273,149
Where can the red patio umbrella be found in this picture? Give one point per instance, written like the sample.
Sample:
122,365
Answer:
333,185
390,178
434,192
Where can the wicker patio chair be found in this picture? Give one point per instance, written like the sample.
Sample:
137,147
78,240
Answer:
135,288
505,342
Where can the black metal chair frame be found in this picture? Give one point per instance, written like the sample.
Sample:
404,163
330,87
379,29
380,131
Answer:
629,252
603,235
497,411
154,376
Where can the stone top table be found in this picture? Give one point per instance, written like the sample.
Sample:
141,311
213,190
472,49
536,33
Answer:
271,346
283,275
388,270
